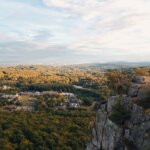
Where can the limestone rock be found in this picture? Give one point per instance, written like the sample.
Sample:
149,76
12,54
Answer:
133,90
111,102
139,79
134,134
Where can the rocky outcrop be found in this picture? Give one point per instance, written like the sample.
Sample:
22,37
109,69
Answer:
133,90
134,134
139,79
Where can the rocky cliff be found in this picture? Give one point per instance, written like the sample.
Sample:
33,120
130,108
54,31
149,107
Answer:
133,133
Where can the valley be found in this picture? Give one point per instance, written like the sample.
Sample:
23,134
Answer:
57,107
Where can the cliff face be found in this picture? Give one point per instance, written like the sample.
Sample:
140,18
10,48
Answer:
133,134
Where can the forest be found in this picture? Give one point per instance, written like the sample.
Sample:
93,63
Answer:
36,110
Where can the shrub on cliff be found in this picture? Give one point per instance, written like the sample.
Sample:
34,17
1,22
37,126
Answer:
144,97
119,115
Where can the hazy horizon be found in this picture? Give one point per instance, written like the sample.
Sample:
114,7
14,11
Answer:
61,32
142,63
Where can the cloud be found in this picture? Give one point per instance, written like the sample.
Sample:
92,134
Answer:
85,8
74,31
119,25
42,35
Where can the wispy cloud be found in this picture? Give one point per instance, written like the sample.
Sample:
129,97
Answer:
73,31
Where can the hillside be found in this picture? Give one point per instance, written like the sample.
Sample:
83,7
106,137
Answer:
123,122
54,107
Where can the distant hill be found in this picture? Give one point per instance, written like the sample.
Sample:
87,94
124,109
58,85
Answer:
95,66
114,65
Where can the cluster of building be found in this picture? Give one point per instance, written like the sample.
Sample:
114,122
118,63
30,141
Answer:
70,100
5,87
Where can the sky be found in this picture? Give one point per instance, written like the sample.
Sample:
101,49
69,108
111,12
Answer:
74,31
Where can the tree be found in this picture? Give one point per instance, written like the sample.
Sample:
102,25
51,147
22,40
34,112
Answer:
26,145
141,71
118,81
119,115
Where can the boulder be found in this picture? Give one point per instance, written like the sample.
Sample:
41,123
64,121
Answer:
111,102
139,79
133,90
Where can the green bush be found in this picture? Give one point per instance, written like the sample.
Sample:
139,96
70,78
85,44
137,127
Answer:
144,97
119,115
55,130
129,144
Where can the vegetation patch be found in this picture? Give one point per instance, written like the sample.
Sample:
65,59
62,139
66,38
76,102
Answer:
144,98
129,144
119,115
55,130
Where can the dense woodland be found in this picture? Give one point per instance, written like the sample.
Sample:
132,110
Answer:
47,128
